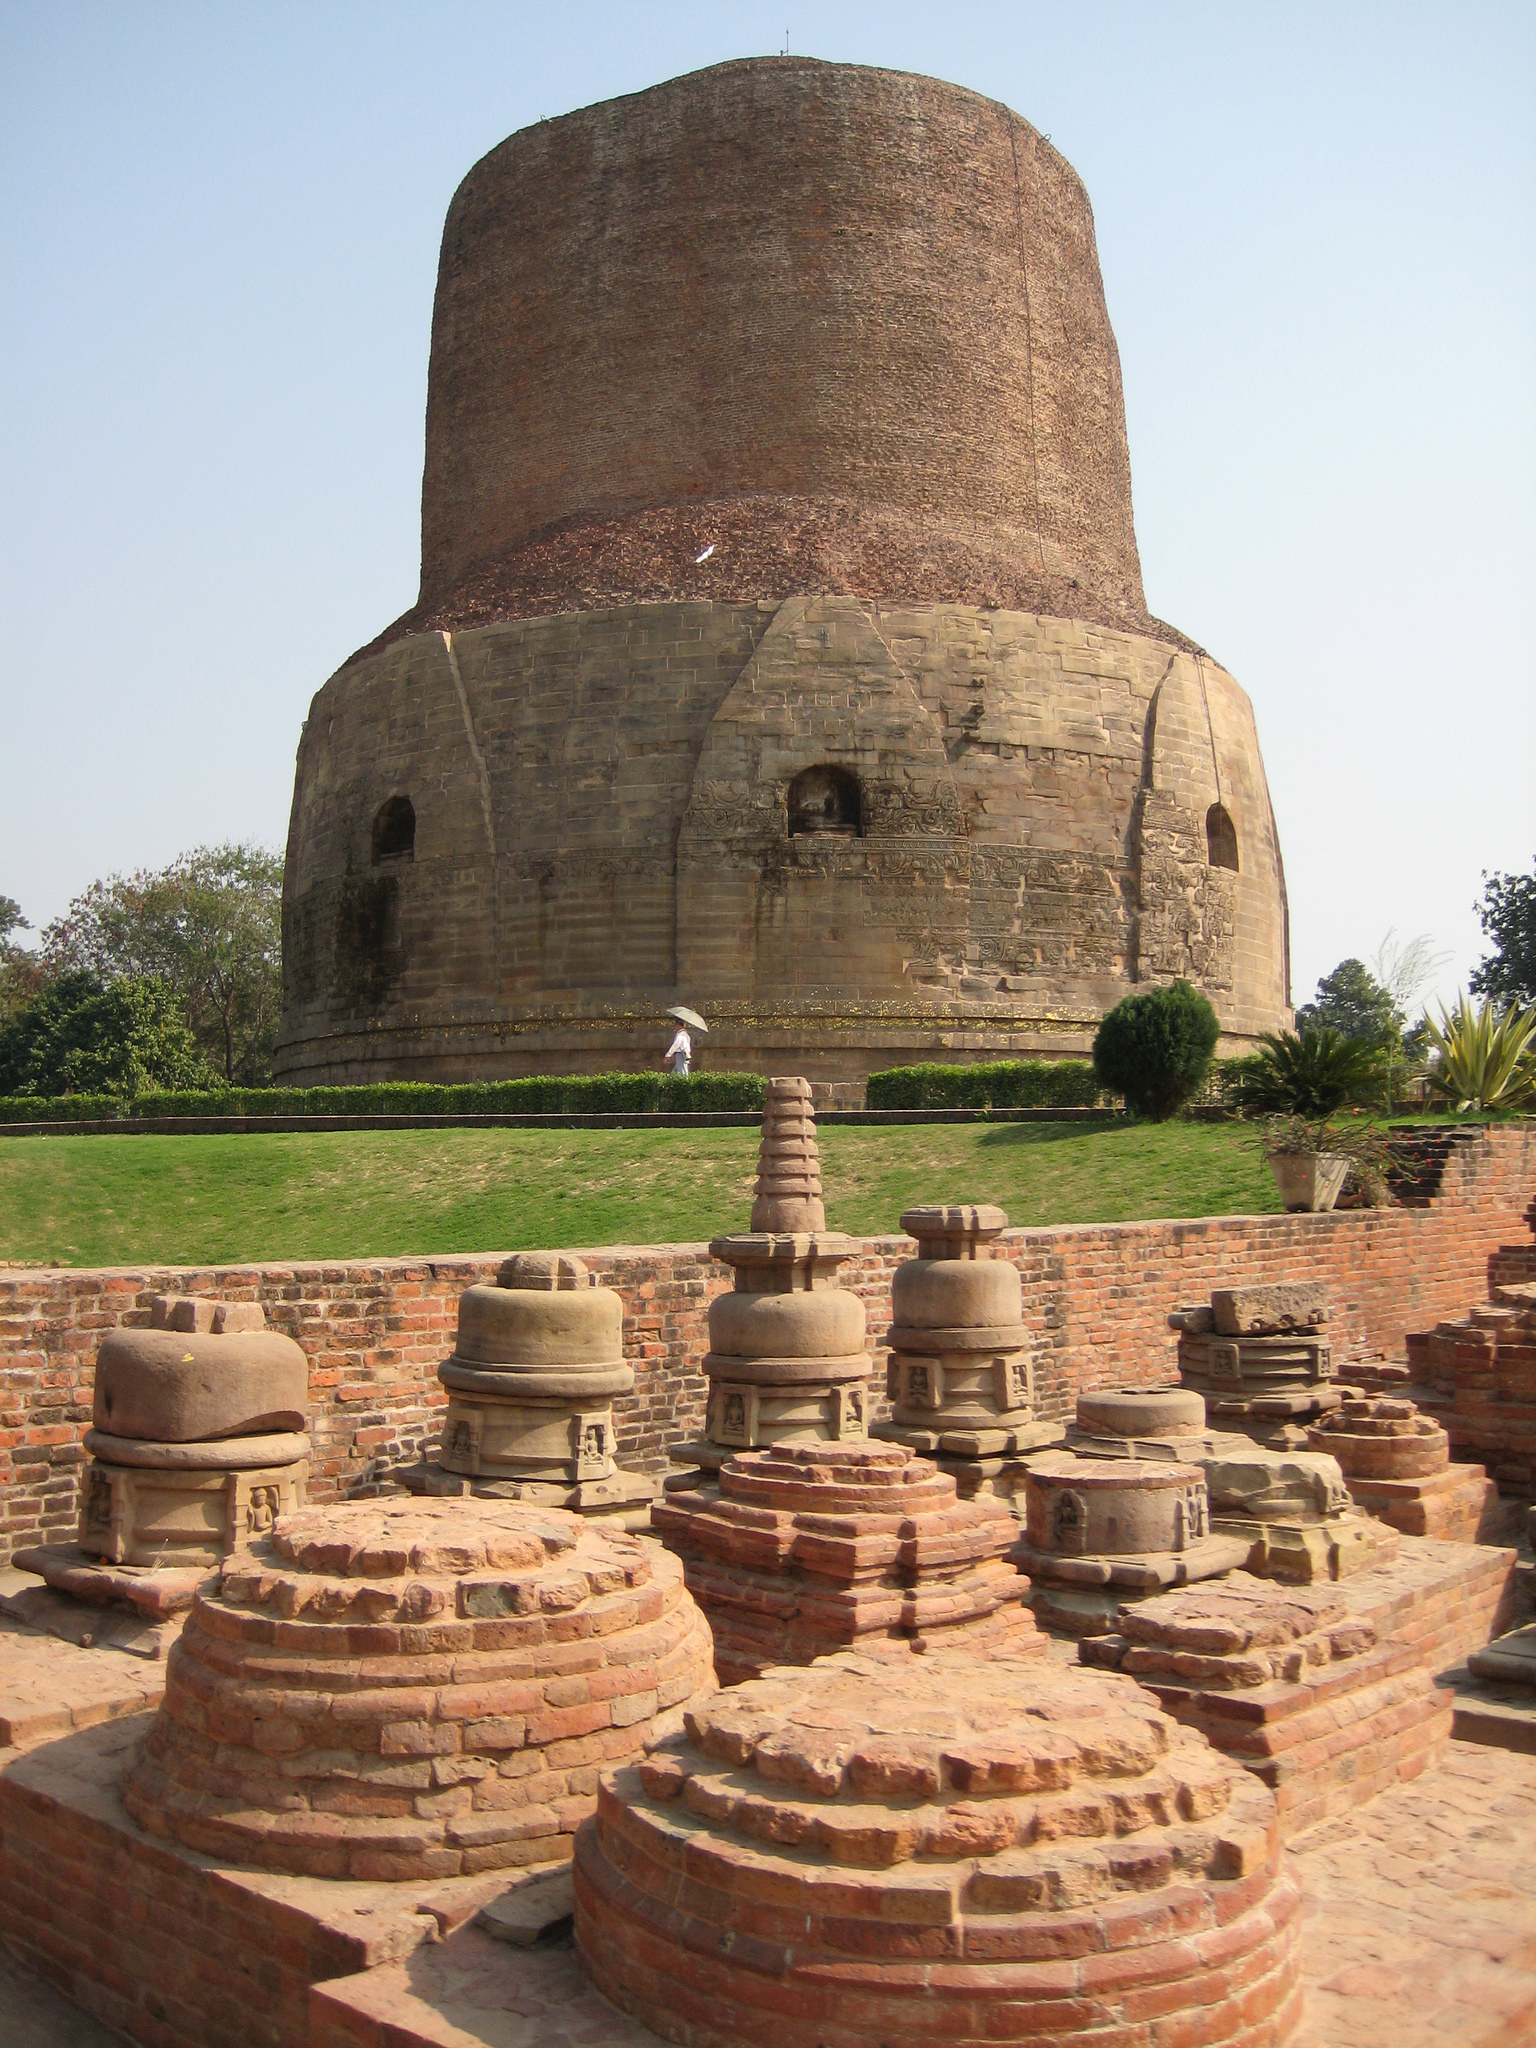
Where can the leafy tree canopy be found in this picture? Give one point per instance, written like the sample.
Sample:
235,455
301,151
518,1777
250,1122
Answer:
20,972
78,1036
1507,914
1353,1003
210,928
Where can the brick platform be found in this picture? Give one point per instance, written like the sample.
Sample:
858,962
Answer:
1287,1682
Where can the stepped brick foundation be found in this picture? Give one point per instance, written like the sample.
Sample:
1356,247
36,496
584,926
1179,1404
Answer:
1289,1683
1095,1304
813,1548
1476,1376
415,1690
938,1851
1397,1466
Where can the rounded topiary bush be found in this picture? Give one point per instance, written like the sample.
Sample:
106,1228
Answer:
1155,1049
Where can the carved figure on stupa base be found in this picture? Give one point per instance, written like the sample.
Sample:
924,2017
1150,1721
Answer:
531,1382
786,1359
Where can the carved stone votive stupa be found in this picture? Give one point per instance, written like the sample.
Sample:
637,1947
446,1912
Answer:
1164,1424
531,1382
1100,1533
813,1548
197,1440
786,1353
1397,1465
1260,1357
1294,1510
959,1377
939,1850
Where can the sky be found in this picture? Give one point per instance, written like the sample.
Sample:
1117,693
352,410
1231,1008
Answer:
219,230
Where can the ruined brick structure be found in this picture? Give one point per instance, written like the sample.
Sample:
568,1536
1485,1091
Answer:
781,644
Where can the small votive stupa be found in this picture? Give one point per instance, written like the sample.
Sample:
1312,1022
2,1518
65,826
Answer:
936,1850
786,1356
198,1436
448,1675
812,1548
531,1382
1100,1533
959,1378
1164,1424
1260,1357
1294,1511
1397,1465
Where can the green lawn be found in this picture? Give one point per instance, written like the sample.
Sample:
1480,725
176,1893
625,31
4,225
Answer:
100,1201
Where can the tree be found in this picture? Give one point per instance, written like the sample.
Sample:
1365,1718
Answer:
1155,1049
1353,1003
210,928
1507,914
78,1036
21,974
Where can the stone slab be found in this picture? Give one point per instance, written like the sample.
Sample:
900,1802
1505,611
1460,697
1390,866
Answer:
155,1592
525,1913
51,1688
84,1623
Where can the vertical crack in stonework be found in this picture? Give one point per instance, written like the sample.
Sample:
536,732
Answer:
485,790
1029,349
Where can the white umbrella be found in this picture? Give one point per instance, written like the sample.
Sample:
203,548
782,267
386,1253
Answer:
689,1017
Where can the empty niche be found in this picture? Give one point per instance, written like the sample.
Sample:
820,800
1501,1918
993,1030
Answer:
1220,839
826,800
394,830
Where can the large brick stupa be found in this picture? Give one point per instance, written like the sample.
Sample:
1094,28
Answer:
781,645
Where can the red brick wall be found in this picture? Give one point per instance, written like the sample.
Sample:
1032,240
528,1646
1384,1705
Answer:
1096,1302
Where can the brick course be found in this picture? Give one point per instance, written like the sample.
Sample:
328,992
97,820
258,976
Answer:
1096,1299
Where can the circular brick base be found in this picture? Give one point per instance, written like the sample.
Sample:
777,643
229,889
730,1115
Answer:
939,1851
415,1689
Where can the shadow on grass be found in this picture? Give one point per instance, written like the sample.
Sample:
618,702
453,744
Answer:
1057,1134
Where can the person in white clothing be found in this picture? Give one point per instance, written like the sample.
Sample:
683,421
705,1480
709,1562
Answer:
680,1051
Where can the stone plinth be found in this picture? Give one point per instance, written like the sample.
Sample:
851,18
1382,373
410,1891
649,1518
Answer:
448,1678
1163,1424
938,1851
959,1377
1260,1357
1101,1533
1397,1466
786,1356
813,1548
1476,1376
1294,1511
198,1440
1290,1683
531,1382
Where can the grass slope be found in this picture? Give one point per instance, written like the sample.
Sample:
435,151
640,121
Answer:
112,1201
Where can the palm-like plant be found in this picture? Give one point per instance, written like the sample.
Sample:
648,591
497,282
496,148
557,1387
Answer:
1311,1073
1484,1058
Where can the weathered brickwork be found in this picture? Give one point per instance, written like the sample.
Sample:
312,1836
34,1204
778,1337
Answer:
813,463
1096,1300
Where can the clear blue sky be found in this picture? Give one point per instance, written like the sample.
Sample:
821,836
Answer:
1317,224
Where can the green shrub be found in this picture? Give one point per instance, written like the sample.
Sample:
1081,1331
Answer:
1155,1049
1312,1073
1484,1058
988,1084
530,1095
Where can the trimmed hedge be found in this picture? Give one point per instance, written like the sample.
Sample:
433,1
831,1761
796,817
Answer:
988,1084
531,1095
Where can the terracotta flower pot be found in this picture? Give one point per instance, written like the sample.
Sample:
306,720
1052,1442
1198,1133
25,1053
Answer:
1309,1180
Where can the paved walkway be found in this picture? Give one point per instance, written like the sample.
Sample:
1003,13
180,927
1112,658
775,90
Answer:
1420,1911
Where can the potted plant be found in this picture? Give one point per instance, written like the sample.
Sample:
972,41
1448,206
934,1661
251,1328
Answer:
1312,1158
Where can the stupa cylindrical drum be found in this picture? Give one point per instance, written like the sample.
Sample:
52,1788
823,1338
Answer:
198,1437
538,1360
779,600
